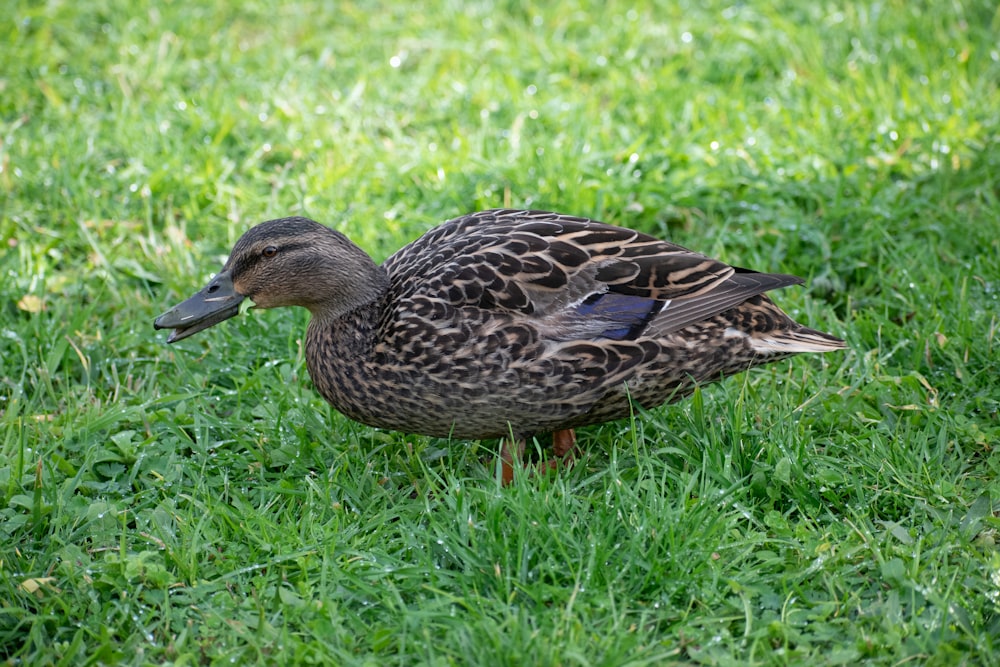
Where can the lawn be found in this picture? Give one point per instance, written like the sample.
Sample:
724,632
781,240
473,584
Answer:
201,504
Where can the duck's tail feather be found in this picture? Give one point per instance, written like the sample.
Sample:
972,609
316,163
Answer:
793,341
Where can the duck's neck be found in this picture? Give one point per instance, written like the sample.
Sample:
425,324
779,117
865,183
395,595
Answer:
356,287
345,330
339,350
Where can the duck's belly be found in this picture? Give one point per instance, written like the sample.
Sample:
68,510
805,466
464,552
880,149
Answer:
463,401
493,394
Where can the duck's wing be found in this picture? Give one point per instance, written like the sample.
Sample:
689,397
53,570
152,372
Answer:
569,277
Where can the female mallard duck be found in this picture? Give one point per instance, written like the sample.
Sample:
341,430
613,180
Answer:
504,324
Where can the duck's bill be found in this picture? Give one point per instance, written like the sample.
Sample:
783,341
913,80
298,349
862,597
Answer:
218,301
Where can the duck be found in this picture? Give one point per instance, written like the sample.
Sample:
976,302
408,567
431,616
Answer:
505,324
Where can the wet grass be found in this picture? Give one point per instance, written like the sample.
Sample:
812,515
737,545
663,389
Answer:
200,504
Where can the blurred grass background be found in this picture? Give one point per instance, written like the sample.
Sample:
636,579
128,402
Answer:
200,504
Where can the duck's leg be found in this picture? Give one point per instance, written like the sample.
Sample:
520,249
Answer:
563,449
511,454
564,442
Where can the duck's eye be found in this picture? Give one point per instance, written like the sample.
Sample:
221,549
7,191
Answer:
270,251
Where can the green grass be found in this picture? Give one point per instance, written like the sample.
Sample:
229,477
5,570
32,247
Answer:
200,504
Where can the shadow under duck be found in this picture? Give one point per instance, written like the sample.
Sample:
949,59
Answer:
504,323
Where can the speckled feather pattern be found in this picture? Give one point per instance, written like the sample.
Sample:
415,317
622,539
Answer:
525,322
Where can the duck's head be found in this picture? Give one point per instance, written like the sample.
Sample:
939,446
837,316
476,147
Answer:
286,262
